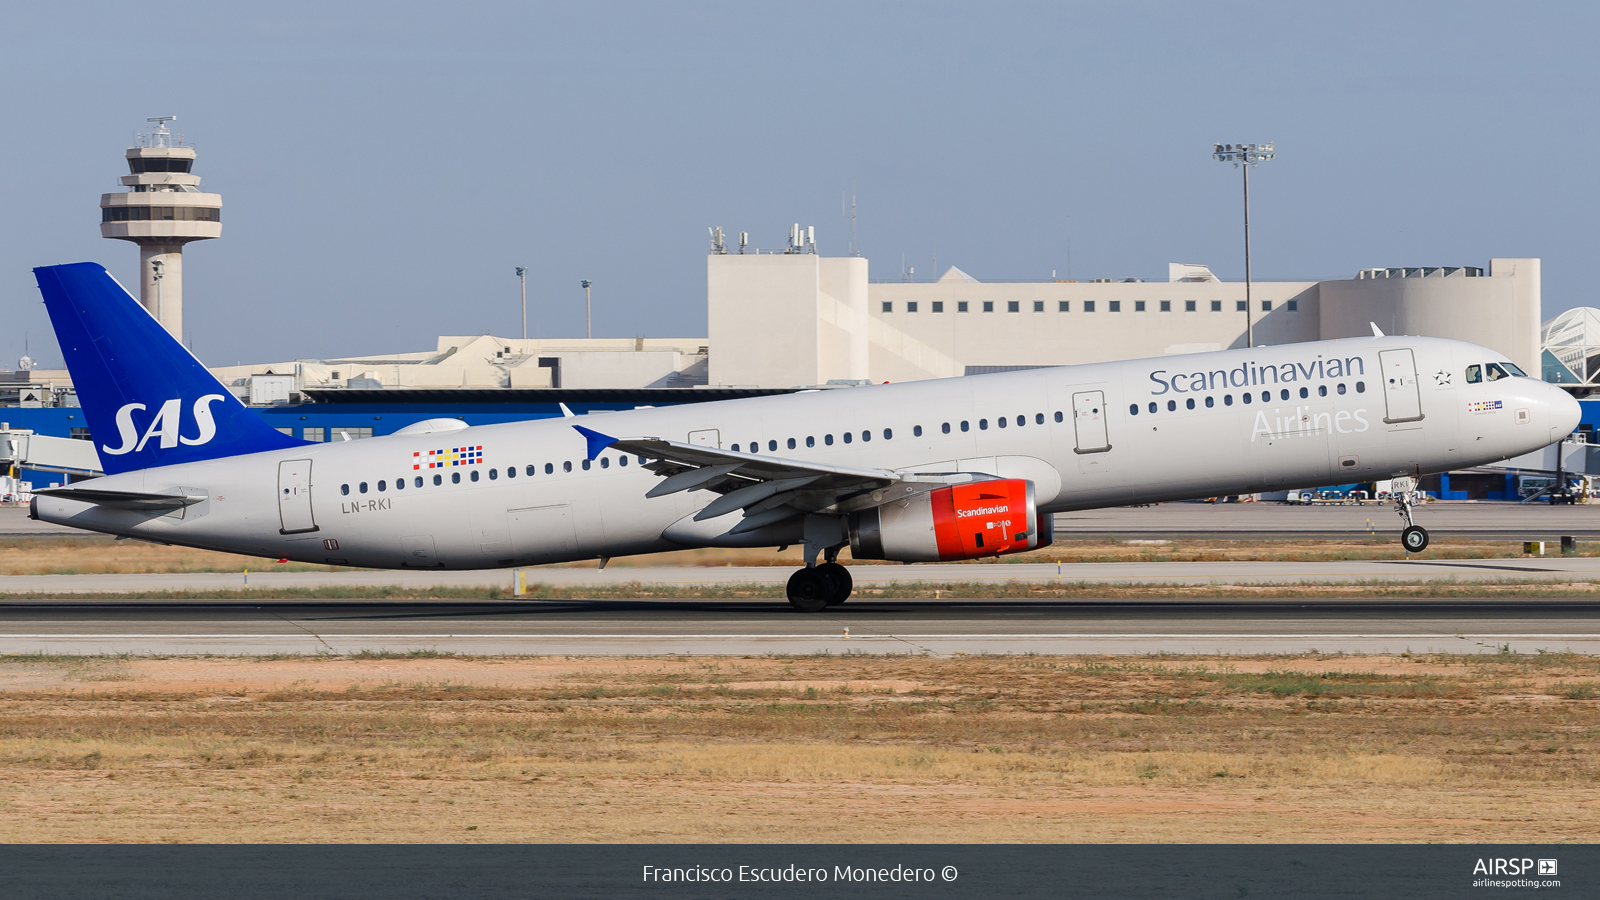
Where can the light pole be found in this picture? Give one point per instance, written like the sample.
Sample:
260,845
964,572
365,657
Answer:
1246,157
588,308
522,276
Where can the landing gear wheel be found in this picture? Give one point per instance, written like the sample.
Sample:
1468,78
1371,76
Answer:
839,576
809,590
1415,539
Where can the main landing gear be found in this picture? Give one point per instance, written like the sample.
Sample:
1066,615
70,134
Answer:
816,588
1414,537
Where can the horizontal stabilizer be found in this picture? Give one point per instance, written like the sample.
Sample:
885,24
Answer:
122,499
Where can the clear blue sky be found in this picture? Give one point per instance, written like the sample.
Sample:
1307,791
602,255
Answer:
384,167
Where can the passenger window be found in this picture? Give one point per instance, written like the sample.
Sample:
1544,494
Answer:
1285,393
1495,372
1172,406
399,484
791,443
965,426
382,486
1474,374
455,477
1211,402
1001,421
418,481
1361,387
511,471
888,433
549,468
827,439
1058,415
1038,418
1266,396
438,479
641,460
810,441
848,437
1189,403
566,466
735,448
1153,406
474,474
1322,390
1245,397
585,465
1133,409
867,435
1227,399
1304,393
1341,387
494,475
1022,420
344,489
605,462
772,445
945,428
363,487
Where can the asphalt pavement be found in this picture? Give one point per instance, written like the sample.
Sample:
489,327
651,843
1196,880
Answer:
744,628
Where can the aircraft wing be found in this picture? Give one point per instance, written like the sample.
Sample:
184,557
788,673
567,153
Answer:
768,488
123,499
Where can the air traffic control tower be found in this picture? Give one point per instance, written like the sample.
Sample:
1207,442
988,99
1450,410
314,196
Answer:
162,210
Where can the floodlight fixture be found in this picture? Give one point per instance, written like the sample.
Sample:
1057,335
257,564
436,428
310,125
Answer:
1245,157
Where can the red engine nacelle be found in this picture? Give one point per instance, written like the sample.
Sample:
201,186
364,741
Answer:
963,521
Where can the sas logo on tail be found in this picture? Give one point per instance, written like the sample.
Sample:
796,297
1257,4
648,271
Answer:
165,424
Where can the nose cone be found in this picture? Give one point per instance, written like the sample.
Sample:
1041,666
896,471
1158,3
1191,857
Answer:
1565,413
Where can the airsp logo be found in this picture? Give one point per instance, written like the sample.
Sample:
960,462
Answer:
164,424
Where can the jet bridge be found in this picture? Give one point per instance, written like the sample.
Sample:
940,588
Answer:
20,448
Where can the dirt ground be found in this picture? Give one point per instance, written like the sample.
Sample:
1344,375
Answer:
73,555
851,749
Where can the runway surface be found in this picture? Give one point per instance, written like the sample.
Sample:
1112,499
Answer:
755,628
1521,570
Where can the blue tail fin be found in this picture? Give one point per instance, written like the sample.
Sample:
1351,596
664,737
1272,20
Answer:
147,400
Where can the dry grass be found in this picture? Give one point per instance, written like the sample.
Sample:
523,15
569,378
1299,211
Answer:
422,747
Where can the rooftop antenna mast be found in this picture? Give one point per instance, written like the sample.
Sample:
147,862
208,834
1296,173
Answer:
851,215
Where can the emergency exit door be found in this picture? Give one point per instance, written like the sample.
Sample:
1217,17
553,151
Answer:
294,496
1089,422
1401,394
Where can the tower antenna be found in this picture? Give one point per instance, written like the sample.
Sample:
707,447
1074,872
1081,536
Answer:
851,215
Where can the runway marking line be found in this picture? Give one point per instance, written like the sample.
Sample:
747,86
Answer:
1030,635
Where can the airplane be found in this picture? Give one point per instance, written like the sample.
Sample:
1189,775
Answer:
947,469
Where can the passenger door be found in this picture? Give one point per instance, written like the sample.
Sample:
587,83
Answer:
1401,397
1089,422
294,497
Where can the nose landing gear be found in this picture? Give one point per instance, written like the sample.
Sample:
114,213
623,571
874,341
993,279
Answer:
1414,537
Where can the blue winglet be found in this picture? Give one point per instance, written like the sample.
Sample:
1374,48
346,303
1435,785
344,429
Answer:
597,441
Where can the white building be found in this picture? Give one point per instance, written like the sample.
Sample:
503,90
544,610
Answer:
795,318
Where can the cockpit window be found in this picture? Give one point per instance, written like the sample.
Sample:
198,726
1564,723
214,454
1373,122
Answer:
1474,374
1512,368
1495,372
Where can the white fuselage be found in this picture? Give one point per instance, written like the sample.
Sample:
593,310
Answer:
1072,430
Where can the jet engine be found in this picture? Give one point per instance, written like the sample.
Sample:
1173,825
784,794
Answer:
963,521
